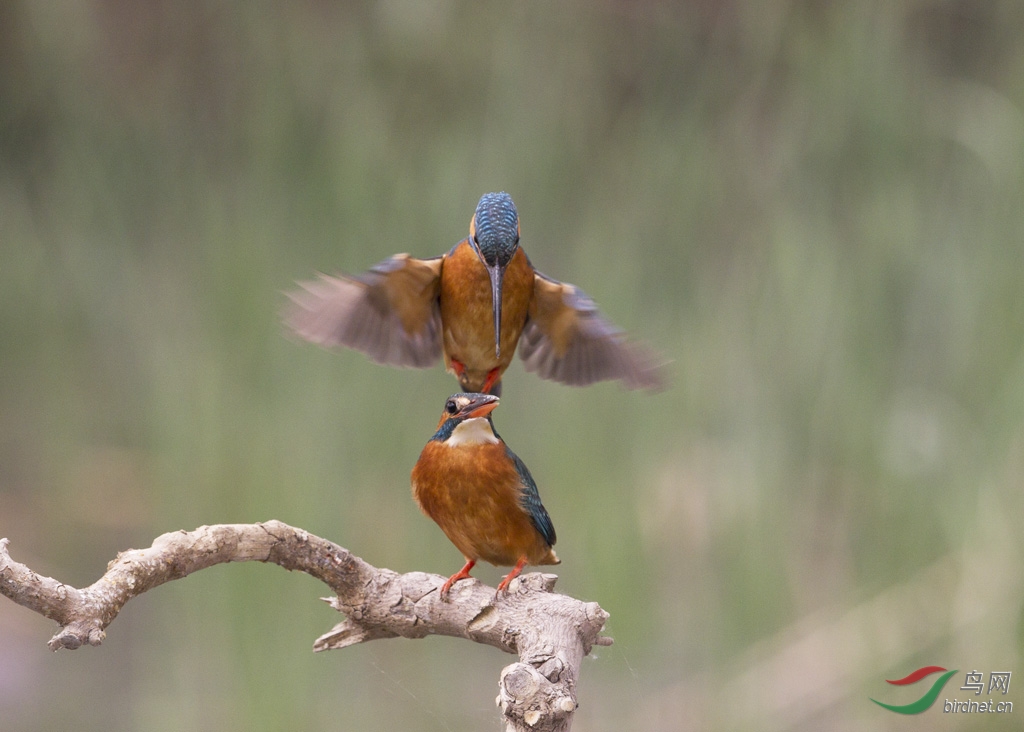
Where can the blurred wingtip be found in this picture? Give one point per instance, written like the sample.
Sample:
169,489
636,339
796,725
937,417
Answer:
650,371
302,313
333,311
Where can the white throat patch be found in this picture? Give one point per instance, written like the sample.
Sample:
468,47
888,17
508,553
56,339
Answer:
476,431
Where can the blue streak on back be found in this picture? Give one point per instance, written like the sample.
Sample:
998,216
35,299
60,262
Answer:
530,500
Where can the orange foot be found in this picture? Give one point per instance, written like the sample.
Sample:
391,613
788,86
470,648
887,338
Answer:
507,580
461,574
492,379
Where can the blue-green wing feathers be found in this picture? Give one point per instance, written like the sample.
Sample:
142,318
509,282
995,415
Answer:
531,501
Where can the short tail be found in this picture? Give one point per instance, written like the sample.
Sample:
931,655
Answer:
550,558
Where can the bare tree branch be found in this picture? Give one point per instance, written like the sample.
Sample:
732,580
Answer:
551,633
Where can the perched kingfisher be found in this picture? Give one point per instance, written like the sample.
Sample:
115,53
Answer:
481,494
472,305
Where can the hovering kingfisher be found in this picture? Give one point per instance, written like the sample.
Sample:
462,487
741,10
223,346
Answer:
481,494
472,305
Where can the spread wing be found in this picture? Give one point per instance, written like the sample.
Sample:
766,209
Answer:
390,313
530,500
567,340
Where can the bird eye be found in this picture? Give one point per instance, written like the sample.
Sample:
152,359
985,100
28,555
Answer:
451,407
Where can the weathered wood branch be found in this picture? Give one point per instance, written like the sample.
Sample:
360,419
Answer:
551,633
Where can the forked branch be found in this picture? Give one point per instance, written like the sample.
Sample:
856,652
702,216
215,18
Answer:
550,633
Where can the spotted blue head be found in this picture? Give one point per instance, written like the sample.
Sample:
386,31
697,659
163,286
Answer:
494,236
466,420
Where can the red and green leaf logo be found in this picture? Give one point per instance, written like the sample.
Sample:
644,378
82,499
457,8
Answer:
929,697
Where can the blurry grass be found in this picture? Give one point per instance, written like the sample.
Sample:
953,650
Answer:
813,210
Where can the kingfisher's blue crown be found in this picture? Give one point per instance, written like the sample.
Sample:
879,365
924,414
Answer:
453,410
497,228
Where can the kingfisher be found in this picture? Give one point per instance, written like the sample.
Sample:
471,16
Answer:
472,306
480,493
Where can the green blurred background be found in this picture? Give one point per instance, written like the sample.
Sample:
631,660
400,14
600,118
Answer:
814,209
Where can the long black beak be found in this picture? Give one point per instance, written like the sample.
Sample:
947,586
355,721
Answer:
497,275
480,405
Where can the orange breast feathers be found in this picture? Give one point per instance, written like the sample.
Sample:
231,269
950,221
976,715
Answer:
467,311
474,495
